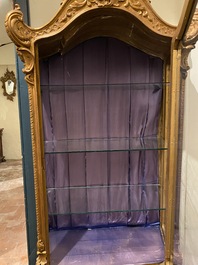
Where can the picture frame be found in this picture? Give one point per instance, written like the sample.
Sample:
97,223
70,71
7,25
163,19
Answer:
9,84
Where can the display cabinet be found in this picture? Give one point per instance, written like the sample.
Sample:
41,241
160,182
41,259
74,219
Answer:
104,81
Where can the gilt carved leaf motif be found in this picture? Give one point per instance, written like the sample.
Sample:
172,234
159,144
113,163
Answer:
192,33
28,59
136,5
42,257
21,34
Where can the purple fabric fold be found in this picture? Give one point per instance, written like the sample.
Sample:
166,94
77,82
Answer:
92,92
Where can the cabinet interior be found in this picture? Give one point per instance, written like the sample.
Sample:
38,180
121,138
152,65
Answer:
101,104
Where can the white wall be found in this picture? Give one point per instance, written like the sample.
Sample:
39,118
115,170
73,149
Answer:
9,115
168,10
189,182
41,12
9,120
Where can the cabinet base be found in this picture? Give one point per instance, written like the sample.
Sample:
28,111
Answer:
113,245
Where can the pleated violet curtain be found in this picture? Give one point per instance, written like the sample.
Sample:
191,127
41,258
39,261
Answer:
90,93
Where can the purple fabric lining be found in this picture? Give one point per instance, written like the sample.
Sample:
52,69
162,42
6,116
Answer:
97,109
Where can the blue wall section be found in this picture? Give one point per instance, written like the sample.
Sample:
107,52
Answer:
27,150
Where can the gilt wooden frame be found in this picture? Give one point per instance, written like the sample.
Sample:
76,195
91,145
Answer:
76,21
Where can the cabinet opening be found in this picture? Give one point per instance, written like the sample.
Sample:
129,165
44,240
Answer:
101,106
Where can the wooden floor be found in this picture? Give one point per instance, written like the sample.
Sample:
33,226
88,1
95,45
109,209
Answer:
13,246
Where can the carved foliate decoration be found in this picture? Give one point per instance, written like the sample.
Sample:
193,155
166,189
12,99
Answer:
21,34
191,35
184,59
28,59
41,253
188,43
140,8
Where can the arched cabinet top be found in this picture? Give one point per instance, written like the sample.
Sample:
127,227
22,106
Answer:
132,21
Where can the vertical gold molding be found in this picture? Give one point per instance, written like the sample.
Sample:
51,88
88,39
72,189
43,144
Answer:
30,69
39,175
28,58
172,152
165,135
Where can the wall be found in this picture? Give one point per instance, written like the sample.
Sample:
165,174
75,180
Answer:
9,120
41,13
189,182
9,115
168,10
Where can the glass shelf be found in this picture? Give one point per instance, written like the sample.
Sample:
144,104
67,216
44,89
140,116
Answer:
98,199
108,212
134,86
132,186
104,145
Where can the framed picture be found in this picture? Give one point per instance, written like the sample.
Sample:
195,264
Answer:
9,84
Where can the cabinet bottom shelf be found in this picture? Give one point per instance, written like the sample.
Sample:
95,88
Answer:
105,246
